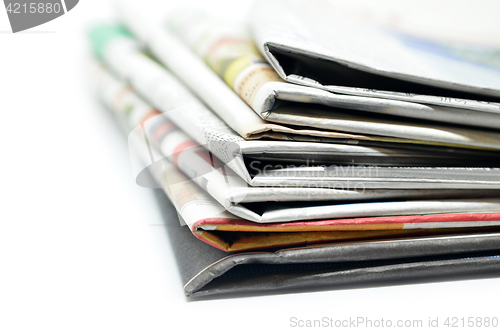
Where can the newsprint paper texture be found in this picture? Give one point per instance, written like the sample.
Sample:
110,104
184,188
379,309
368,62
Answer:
210,221
239,116
230,51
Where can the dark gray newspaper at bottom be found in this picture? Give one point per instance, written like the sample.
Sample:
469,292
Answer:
207,271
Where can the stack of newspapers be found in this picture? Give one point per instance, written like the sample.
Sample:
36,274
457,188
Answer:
333,152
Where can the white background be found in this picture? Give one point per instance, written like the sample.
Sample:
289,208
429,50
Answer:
82,247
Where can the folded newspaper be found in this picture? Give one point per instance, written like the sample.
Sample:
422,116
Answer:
230,51
319,181
208,271
328,51
321,123
205,212
248,158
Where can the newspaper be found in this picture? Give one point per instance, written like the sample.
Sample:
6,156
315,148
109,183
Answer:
223,101
229,50
211,223
231,192
124,55
323,48
175,101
